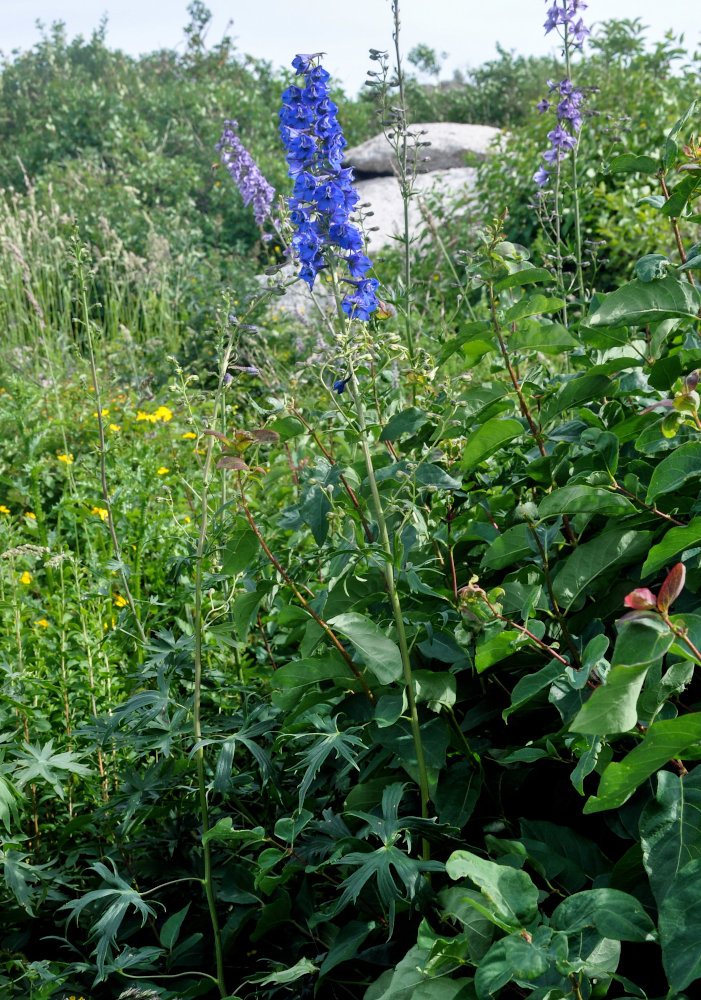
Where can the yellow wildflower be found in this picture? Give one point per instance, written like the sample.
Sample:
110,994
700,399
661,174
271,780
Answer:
4,509
162,471
163,413
115,427
120,602
187,519
68,459
100,511
26,578
103,413
142,415
190,435
43,622
30,514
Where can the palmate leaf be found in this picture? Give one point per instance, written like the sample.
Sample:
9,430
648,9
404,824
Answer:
37,763
116,899
326,739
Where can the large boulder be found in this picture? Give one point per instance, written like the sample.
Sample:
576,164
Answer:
385,201
451,145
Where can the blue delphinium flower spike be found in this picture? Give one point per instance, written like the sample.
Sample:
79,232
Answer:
323,196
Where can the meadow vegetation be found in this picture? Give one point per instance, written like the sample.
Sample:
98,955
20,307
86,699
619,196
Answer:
352,658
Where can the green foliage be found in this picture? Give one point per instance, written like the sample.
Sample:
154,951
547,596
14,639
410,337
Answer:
352,694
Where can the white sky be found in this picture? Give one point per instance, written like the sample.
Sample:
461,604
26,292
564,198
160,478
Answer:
467,30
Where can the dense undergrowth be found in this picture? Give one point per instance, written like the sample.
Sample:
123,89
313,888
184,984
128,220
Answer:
354,659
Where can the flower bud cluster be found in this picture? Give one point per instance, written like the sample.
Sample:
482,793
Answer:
323,196
565,97
253,186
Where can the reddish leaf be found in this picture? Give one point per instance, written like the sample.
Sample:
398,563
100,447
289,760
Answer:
216,434
641,599
231,462
265,436
672,587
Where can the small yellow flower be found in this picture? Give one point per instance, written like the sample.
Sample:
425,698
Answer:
163,413
115,427
4,509
187,519
142,415
31,515
43,622
120,602
190,435
26,578
68,459
100,511
162,471
103,413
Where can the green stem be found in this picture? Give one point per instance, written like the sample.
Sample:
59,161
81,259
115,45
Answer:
394,599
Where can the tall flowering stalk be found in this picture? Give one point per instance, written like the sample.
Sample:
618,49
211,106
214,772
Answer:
323,196
322,201
562,16
254,188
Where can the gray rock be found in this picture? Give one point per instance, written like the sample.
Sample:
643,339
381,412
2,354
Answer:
386,203
452,145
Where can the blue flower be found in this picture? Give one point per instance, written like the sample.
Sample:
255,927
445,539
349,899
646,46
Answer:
323,196
340,384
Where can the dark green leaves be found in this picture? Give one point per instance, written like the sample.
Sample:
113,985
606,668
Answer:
641,302
510,898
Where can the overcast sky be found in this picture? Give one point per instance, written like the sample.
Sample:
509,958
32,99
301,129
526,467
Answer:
467,30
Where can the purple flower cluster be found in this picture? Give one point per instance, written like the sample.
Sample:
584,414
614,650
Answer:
246,173
323,196
563,138
564,12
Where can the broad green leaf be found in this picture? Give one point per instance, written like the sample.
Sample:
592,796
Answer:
652,266
240,550
292,680
628,163
469,332
614,914
381,655
532,305
680,195
437,688
493,972
612,707
663,740
590,559
171,928
550,338
674,470
405,422
486,439
346,944
583,499
401,982
244,610
530,685
671,147
640,302
670,829
526,276
527,960
510,894
497,648
676,541
224,830
313,509
456,904
565,855
509,547
288,428
680,927
433,475
576,392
